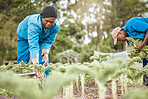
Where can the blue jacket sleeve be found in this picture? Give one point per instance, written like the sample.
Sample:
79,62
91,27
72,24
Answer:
47,42
33,39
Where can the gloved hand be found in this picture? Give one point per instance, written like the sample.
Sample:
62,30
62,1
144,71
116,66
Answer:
45,58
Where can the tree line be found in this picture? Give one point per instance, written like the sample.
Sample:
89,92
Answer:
79,20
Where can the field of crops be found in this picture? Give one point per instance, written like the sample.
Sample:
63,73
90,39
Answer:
115,80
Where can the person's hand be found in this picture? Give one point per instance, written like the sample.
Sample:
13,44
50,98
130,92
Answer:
139,46
45,58
38,73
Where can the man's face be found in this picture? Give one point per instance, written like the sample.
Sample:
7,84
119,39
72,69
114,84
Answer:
48,22
121,36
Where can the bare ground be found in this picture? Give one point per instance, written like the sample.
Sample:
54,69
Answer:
91,91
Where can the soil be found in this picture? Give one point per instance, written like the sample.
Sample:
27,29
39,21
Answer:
91,91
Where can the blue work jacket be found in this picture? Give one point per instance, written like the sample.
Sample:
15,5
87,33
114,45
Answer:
136,27
33,30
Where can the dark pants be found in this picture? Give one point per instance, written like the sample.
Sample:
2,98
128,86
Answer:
145,77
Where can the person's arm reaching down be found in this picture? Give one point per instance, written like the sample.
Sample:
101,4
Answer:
46,44
141,45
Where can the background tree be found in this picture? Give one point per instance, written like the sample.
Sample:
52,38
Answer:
80,20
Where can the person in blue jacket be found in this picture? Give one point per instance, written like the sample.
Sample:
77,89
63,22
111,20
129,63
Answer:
136,27
35,35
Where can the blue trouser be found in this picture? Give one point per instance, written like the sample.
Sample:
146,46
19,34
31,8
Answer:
23,53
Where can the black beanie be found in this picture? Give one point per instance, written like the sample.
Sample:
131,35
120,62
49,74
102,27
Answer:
49,11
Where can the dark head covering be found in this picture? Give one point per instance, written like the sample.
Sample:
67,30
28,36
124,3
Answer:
49,11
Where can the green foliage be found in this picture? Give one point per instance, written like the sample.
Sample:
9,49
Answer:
8,41
53,86
85,51
62,75
100,57
136,93
132,72
22,88
132,50
6,93
17,68
29,89
68,56
132,61
127,9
